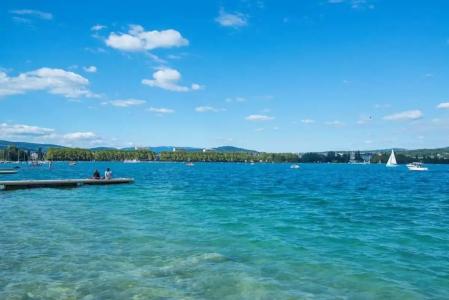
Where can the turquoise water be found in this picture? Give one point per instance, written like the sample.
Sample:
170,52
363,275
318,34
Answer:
228,231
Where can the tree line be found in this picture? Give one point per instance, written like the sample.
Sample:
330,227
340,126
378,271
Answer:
12,153
78,154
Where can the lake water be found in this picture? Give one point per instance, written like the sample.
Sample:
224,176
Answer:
228,231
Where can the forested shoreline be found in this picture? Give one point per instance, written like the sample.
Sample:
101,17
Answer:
73,154
79,154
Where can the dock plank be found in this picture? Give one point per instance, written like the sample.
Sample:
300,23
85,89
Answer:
59,183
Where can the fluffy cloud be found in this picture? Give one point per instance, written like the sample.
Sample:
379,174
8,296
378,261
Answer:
161,110
21,130
259,118
80,136
405,115
126,102
38,134
54,81
137,39
90,69
32,13
307,121
231,20
202,109
443,105
167,79
97,27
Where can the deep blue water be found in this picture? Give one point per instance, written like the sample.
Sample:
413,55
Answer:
228,231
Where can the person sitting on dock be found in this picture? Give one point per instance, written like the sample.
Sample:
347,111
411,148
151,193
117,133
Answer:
96,175
108,174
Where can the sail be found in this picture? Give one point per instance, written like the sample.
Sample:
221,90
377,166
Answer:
392,160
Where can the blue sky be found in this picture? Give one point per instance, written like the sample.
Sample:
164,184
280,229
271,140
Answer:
267,75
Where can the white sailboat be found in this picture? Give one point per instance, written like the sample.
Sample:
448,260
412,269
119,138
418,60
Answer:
392,160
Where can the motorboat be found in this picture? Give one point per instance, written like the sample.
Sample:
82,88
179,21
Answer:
131,161
417,166
295,166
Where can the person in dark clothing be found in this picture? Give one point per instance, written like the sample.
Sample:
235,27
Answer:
96,175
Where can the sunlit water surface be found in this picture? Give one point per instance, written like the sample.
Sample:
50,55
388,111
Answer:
228,231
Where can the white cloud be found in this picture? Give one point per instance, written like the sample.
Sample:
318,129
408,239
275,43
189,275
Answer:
259,118
80,136
137,39
196,87
443,105
307,121
21,130
231,20
126,102
90,69
202,109
38,134
32,13
161,110
167,79
97,27
54,81
405,115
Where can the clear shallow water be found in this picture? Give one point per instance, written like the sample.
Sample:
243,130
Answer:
228,231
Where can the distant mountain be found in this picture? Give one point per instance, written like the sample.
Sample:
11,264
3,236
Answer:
102,148
158,149
28,146
229,149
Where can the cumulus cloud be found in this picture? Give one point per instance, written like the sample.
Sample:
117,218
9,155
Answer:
22,130
259,118
54,81
32,13
167,79
38,134
126,102
90,69
80,136
307,121
405,115
231,19
443,105
161,110
97,27
137,39
202,109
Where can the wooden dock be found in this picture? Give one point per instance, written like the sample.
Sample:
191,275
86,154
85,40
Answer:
8,171
59,183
